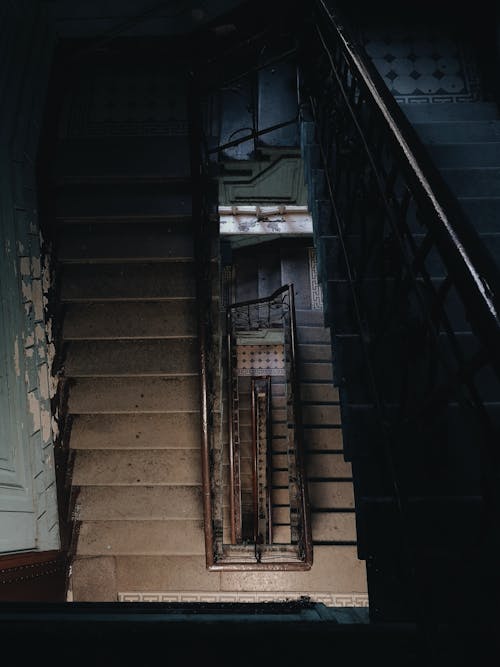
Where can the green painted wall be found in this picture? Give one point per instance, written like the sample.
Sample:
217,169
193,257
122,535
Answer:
27,434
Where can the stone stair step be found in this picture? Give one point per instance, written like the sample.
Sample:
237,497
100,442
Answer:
319,392
126,320
104,282
315,371
122,202
450,111
479,182
165,357
281,535
144,467
323,438
93,579
181,537
453,132
335,569
484,212
175,430
307,317
321,464
130,158
165,573
93,242
314,352
331,495
466,155
105,395
105,503
333,527
320,415
312,334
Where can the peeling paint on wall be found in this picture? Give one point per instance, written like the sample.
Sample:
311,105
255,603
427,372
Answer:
17,367
32,385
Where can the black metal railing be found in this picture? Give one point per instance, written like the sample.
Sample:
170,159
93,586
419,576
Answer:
204,202
410,287
265,326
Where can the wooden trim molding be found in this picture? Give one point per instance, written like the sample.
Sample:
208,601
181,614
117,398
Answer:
33,576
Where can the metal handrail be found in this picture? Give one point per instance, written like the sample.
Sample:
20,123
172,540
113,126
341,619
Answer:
264,299
305,535
199,180
460,246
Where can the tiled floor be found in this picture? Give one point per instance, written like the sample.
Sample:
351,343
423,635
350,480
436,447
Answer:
419,66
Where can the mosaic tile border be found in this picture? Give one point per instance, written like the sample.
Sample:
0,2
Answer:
316,293
261,371
328,599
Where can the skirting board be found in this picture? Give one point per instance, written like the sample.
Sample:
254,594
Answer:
328,599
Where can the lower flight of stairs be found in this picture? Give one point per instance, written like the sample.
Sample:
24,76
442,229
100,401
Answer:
131,360
330,488
131,354
462,139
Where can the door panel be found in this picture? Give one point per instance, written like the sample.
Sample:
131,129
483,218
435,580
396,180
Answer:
17,516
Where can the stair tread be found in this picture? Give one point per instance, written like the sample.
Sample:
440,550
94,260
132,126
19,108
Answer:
103,503
458,131
164,357
314,352
333,527
130,320
128,281
318,439
466,154
331,495
172,240
133,201
484,212
335,568
322,465
319,392
134,395
165,573
320,415
473,181
447,111
129,157
141,537
136,431
145,467
315,371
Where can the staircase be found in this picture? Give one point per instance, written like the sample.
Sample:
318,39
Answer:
127,284
124,244
413,327
464,141
258,273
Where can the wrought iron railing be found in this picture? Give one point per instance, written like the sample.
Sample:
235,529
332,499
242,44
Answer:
204,203
410,287
261,347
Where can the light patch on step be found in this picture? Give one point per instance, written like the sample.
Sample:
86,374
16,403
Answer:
328,599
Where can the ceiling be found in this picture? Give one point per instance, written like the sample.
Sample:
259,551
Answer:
89,18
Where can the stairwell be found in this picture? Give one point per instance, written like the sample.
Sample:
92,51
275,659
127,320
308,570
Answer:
463,139
131,352
259,271
124,244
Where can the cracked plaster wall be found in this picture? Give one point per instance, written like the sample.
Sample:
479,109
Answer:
27,44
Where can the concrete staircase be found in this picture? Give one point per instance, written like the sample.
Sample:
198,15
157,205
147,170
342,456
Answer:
464,141
331,495
128,286
125,263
